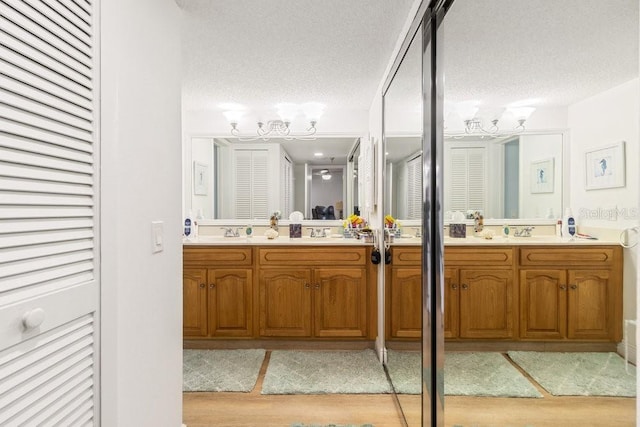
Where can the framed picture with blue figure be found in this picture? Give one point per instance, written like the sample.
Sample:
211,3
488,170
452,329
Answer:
200,178
542,176
605,167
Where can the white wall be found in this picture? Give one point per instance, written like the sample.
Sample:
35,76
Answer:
600,120
534,148
141,323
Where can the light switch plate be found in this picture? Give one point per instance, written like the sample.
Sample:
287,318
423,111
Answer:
157,236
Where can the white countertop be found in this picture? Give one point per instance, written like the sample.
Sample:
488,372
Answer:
280,240
402,241
509,241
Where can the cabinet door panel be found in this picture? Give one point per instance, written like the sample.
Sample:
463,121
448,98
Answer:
451,303
543,304
590,304
194,302
230,302
285,302
406,302
340,302
486,303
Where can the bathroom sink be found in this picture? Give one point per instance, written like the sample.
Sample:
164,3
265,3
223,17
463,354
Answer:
219,239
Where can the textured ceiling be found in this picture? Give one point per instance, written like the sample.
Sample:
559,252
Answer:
504,51
262,52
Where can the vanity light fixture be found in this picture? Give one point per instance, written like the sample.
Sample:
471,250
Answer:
473,124
280,128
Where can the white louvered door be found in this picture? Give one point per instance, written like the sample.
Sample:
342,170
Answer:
49,289
467,187
286,177
414,188
251,184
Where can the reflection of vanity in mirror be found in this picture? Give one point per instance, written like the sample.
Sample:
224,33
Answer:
228,179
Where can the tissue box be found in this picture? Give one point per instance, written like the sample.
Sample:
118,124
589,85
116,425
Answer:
458,230
295,230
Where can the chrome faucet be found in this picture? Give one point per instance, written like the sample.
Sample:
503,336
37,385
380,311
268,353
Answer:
230,232
524,232
318,232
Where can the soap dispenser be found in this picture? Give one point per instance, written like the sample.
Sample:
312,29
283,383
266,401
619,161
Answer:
568,224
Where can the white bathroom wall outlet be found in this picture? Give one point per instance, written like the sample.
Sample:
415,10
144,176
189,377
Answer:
157,236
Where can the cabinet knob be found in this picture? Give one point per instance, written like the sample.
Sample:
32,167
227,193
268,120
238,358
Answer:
574,286
307,286
563,287
212,285
454,286
465,286
202,285
316,286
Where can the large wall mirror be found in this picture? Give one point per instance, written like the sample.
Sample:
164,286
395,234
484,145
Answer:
229,179
511,102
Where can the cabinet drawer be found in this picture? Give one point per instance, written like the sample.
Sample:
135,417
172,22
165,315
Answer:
566,257
478,256
312,256
406,256
217,255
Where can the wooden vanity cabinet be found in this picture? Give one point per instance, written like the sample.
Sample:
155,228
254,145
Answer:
404,293
313,292
571,293
480,298
217,292
479,293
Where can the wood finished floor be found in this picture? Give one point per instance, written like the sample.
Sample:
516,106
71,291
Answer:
254,409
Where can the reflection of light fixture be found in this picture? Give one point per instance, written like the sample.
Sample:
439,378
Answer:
473,124
279,128
326,176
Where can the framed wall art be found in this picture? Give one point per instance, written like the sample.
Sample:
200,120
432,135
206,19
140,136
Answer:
200,178
605,167
542,176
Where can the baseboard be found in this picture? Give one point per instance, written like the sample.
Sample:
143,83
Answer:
632,352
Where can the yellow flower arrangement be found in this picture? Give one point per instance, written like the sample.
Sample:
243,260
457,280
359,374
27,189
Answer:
389,221
356,221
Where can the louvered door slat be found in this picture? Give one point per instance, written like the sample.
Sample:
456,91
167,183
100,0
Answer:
33,186
78,415
71,395
45,29
47,226
49,98
48,262
50,224
40,377
32,159
42,174
31,78
84,5
24,63
78,26
80,12
44,250
41,52
12,212
42,276
33,370
58,117
55,24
